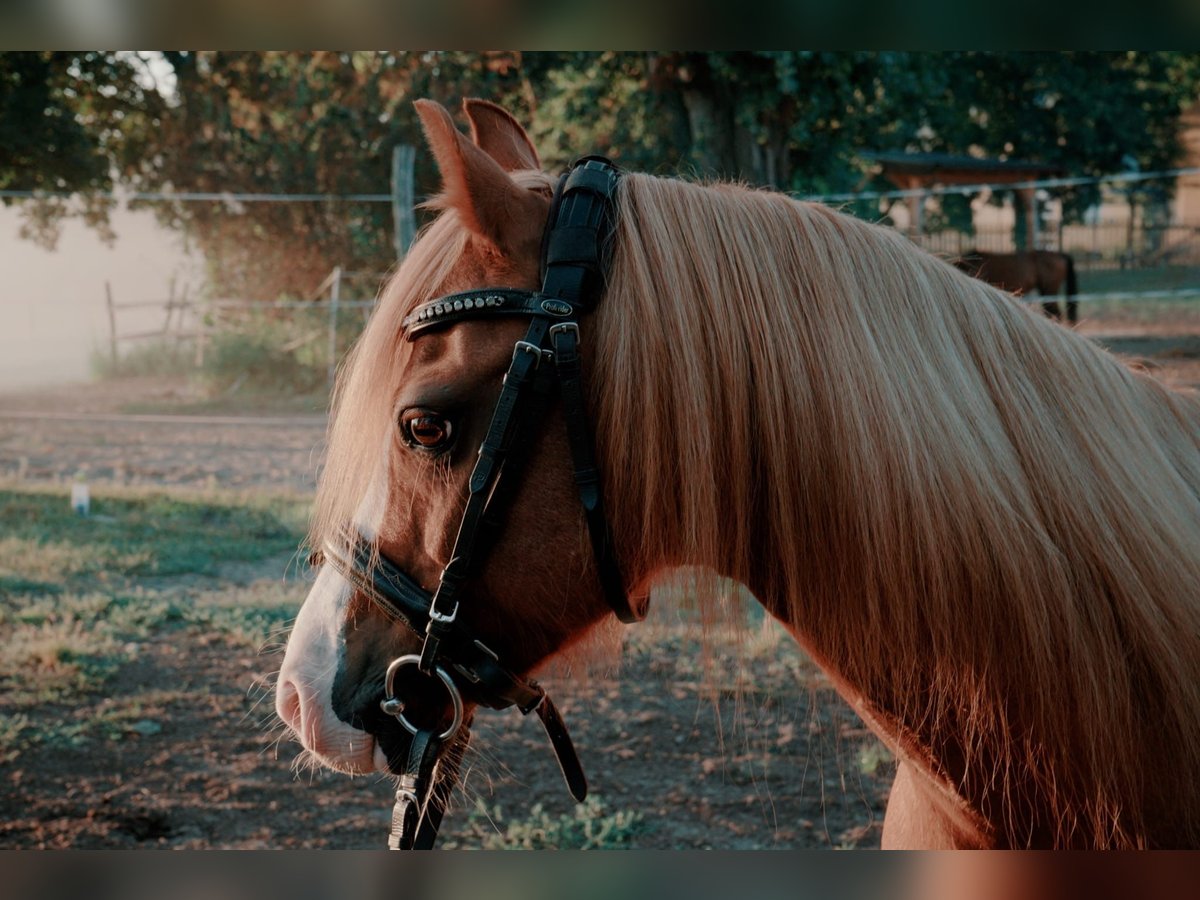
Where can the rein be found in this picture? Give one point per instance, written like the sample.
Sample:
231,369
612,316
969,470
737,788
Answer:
545,363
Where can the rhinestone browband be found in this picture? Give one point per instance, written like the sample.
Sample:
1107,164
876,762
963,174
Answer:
477,303
445,307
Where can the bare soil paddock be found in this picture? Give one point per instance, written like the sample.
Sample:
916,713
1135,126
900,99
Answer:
180,747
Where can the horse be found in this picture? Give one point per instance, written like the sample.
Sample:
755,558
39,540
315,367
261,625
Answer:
1000,577
1021,272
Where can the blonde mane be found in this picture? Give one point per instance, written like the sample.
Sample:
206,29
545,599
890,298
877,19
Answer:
983,525
978,519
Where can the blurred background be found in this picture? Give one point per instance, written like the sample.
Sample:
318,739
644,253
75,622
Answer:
199,214
191,241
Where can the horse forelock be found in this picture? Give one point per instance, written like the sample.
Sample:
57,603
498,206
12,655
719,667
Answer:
980,521
361,412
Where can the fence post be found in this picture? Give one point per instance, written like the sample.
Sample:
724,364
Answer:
404,226
202,329
112,323
170,306
335,292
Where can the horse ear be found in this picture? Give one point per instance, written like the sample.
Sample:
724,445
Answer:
490,203
497,133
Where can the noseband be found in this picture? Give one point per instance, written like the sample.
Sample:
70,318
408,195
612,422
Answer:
545,362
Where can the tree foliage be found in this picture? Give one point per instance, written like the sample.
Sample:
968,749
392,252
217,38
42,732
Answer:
321,123
326,123
67,121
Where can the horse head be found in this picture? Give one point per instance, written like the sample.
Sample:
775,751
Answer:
411,413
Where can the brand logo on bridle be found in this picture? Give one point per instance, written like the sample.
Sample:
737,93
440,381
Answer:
557,307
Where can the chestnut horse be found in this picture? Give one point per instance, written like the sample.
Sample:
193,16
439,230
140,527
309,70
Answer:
1019,273
1001,577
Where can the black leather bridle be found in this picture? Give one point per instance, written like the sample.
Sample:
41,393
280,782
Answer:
545,363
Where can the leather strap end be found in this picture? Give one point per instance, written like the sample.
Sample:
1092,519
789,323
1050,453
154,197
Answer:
564,748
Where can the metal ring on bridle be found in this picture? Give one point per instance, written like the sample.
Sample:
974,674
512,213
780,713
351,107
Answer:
413,659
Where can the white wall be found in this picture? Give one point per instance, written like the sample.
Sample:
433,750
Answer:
52,310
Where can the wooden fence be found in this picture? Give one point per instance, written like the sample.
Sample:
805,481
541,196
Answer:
193,320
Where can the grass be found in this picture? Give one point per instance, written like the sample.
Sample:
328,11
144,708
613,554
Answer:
14,736
1177,311
81,597
152,357
1163,278
590,826
47,547
257,361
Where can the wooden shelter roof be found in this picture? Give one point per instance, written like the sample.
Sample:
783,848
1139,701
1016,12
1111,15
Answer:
917,170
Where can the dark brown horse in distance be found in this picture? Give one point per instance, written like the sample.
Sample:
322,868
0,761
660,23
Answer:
1020,273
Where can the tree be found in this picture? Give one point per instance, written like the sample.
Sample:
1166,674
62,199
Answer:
291,123
66,120
1089,112
326,123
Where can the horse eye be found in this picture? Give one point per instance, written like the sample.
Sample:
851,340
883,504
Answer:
426,430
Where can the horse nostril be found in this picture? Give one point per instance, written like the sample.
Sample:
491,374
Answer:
288,705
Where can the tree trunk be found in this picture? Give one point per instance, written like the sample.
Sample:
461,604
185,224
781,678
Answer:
676,125
712,138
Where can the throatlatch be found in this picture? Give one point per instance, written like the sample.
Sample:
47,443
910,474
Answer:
545,363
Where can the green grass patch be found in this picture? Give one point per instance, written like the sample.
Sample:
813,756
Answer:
243,402
166,356
1162,278
82,597
255,617
267,355
1169,313
256,360
108,719
59,648
19,584
16,736
590,826
49,661
1172,311
127,536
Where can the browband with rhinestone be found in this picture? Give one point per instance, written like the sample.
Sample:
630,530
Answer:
482,303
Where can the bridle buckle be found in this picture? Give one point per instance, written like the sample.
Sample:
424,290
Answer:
533,350
444,618
565,328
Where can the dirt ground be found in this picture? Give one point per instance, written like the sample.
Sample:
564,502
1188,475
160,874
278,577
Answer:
788,766
213,777
784,764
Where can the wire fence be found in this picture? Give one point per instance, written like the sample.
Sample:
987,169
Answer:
299,343
848,197
1118,260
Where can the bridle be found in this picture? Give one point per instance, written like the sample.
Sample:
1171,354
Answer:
545,363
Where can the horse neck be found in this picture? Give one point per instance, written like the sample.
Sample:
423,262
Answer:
889,456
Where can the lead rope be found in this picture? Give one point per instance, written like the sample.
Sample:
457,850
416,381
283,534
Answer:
429,776
412,795
423,793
